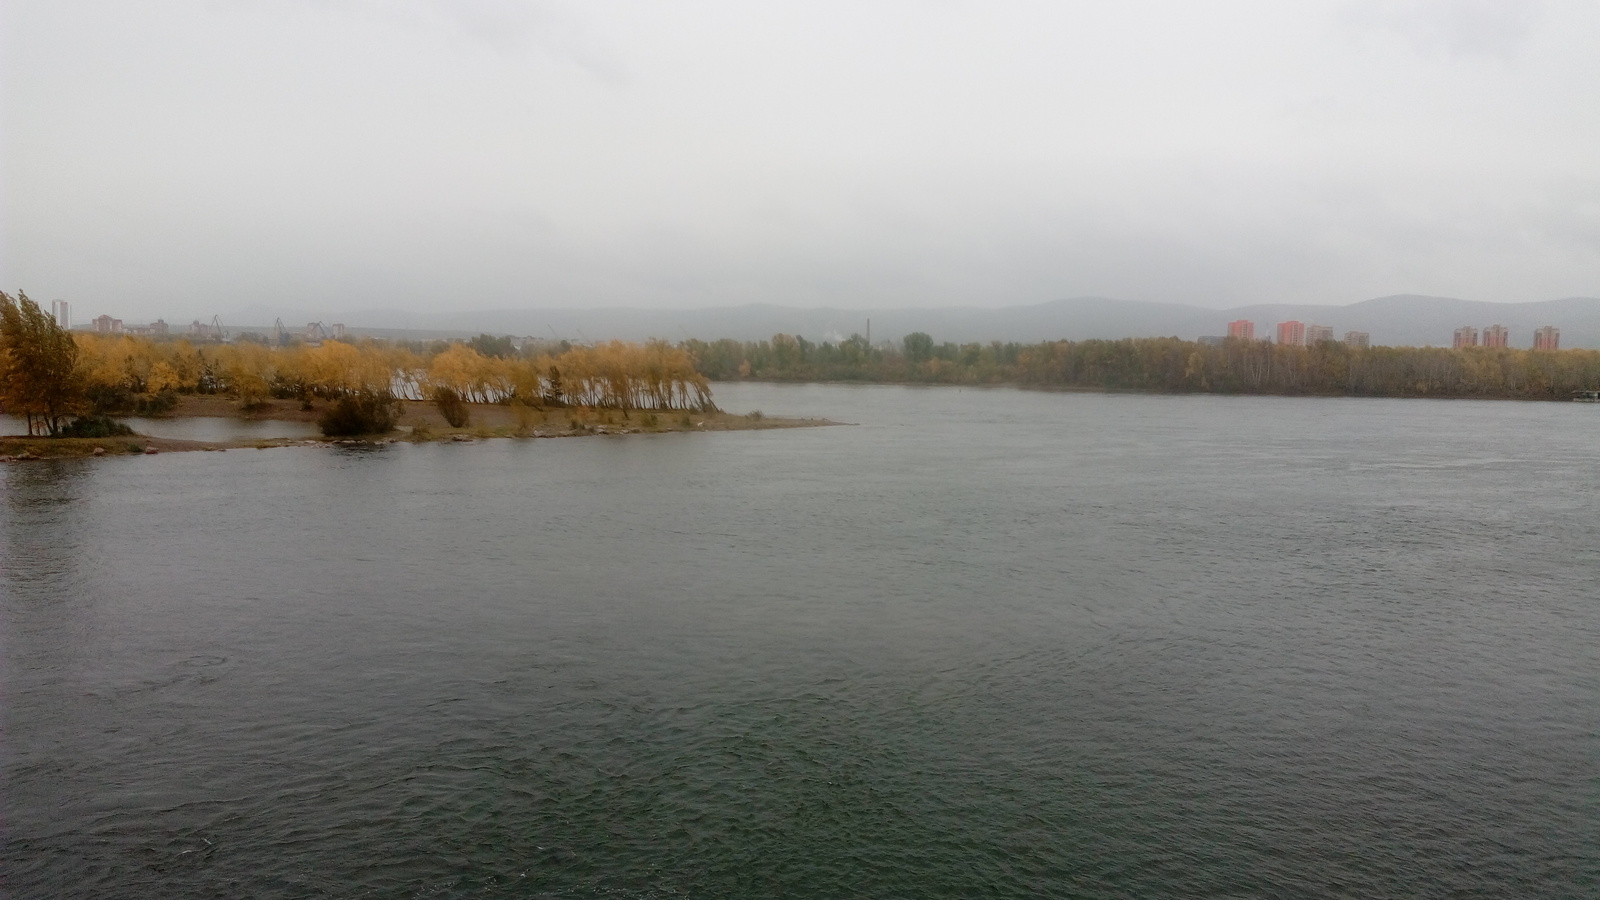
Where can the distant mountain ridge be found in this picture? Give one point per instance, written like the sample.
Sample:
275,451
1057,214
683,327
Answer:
1402,320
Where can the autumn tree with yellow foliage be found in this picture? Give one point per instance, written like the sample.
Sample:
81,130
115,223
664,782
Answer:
39,377
122,372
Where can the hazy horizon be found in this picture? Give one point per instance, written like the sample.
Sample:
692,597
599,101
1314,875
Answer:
182,159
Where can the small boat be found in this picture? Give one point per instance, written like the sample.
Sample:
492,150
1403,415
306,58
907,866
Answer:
1586,396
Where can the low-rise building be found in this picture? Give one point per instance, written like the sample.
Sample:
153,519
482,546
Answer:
1359,340
107,325
158,327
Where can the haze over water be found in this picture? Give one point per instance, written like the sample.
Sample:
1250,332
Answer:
984,643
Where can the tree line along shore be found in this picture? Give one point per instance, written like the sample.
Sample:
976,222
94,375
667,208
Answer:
1165,365
70,386
71,383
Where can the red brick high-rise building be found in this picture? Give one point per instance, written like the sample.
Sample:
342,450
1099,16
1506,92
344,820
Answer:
1466,336
1496,336
1292,333
1244,329
1547,338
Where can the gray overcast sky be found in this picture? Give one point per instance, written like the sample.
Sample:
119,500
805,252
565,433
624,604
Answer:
183,158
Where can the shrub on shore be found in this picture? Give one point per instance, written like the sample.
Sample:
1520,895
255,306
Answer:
451,406
94,427
158,404
361,412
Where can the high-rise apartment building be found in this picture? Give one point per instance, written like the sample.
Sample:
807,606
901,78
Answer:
1244,328
1292,333
1547,338
61,311
1466,336
1316,334
1496,336
1359,340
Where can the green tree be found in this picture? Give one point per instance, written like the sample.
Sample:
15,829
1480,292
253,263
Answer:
919,346
489,345
38,363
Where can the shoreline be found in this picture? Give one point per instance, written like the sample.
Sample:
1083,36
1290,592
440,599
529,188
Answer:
419,423
1156,392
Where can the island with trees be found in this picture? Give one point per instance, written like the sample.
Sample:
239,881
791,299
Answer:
70,387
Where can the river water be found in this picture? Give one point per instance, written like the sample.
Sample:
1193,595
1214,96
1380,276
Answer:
984,643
